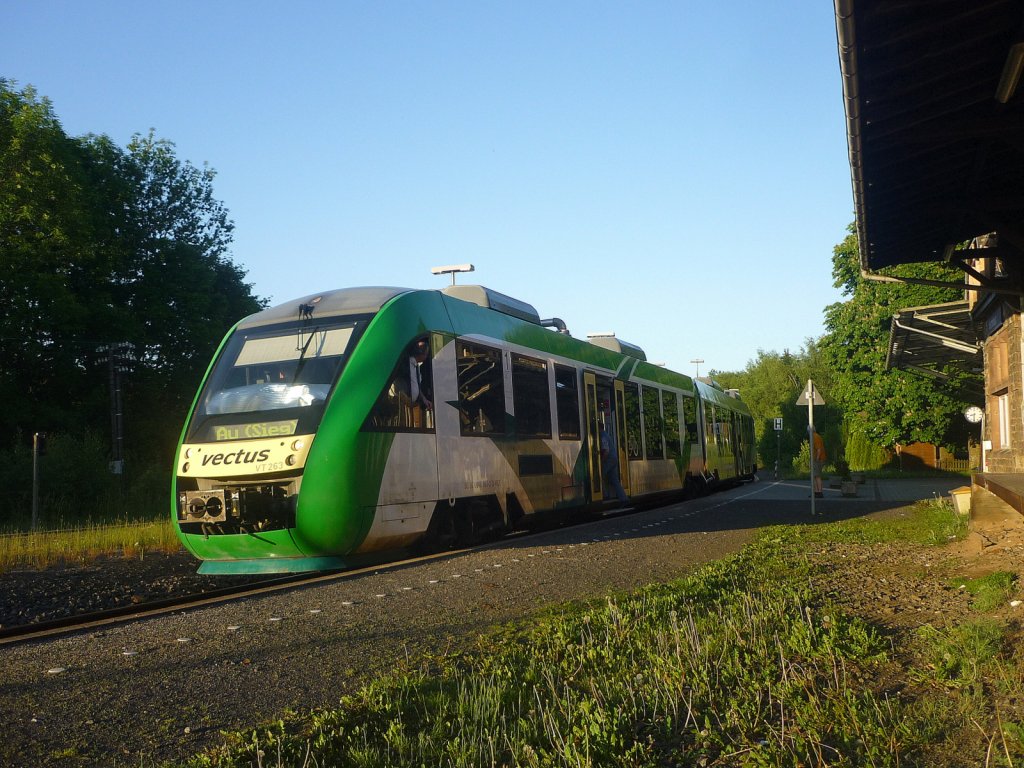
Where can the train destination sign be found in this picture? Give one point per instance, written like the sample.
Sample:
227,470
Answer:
253,431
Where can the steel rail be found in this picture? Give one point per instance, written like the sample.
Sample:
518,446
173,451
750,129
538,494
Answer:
23,633
67,625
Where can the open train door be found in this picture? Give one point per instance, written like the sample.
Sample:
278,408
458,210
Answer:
620,434
593,436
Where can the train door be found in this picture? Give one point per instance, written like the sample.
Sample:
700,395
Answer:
592,414
620,435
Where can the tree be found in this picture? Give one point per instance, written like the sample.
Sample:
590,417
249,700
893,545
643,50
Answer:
102,245
52,254
770,386
886,406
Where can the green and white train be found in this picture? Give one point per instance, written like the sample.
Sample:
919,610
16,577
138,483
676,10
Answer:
352,423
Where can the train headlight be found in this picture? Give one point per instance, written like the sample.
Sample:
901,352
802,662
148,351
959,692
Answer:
298,445
290,461
184,467
188,453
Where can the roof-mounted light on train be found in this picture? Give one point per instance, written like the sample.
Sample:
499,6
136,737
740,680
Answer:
452,269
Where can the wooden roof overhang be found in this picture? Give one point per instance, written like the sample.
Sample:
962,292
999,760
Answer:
935,125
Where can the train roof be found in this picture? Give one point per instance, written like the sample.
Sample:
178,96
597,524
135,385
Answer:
344,301
610,341
369,299
489,299
711,391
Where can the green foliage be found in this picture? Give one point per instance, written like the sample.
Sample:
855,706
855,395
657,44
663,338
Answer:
734,665
770,386
886,406
958,655
933,522
989,591
75,485
741,663
84,543
102,245
863,455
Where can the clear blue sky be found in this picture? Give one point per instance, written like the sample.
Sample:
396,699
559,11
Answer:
675,172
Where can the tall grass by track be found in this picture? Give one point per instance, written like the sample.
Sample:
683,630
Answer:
741,663
84,543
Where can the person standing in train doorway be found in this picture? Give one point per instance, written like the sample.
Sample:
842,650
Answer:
421,383
610,464
818,459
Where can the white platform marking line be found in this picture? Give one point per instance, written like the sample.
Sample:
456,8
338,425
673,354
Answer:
737,498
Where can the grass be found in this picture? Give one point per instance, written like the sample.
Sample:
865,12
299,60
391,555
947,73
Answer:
742,663
988,592
82,544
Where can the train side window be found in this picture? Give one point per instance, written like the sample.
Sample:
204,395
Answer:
653,425
710,425
531,397
726,431
406,404
567,402
634,443
671,409
481,389
690,419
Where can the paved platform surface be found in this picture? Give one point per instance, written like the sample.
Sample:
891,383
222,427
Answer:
901,490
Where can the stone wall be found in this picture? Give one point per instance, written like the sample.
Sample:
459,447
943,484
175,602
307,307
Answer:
1004,378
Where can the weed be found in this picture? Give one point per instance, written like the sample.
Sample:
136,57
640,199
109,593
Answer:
989,592
82,544
957,655
740,663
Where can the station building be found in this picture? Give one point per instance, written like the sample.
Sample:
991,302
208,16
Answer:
935,130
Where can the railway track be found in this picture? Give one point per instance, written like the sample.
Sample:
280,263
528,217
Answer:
24,633
98,620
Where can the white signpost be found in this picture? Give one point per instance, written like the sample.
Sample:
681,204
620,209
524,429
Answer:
778,445
810,398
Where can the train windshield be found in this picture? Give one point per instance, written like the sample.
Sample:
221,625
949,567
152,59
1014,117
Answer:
270,382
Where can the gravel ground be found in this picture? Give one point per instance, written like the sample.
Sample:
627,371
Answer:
163,688
28,597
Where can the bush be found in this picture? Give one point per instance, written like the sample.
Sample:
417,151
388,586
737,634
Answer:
76,486
864,455
802,461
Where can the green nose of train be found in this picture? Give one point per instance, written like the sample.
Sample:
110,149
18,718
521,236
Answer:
362,421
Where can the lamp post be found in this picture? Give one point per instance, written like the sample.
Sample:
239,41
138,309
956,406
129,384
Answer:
697,363
452,269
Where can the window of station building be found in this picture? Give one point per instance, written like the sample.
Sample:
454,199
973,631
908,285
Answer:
406,404
567,402
670,405
634,442
1003,409
690,419
653,426
998,365
531,397
481,389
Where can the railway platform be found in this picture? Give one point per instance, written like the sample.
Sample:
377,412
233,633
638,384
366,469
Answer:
901,490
